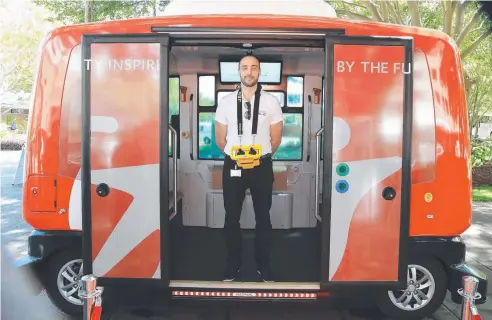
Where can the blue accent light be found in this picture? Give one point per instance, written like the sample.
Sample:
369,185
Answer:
342,186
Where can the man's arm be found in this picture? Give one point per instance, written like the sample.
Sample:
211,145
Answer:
220,135
276,126
220,127
276,135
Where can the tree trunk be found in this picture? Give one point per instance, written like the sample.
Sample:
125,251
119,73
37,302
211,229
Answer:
413,7
448,16
460,12
374,11
467,28
352,15
88,11
475,43
384,11
394,13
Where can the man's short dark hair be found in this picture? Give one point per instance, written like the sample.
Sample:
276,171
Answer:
249,55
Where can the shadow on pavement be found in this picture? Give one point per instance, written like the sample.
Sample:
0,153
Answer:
17,301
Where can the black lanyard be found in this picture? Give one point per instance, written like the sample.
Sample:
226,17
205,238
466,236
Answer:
256,110
240,112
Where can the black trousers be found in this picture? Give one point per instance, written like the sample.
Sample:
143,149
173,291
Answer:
259,180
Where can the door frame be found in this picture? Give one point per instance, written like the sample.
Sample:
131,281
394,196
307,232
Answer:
237,37
87,41
168,37
407,44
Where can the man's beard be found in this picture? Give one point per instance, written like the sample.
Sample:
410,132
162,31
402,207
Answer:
243,81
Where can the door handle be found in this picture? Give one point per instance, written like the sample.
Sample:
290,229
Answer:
102,190
389,193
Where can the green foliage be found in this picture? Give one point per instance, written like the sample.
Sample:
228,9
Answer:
431,14
483,194
481,152
7,122
67,12
23,27
12,139
73,11
25,23
470,28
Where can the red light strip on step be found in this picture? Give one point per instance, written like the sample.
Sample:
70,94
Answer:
274,295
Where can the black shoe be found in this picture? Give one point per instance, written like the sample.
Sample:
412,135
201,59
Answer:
230,273
266,274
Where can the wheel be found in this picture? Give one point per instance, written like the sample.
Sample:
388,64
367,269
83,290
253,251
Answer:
425,292
63,273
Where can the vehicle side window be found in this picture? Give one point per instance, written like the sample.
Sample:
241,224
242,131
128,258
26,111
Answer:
295,92
291,146
206,91
207,105
221,94
173,106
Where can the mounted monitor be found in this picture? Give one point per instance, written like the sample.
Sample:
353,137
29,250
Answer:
271,72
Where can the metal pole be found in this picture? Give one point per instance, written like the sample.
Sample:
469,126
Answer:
475,315
89,292
469,294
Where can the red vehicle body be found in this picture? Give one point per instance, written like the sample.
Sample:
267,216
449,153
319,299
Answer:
403,138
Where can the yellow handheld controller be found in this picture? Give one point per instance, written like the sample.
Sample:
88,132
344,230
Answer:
246,157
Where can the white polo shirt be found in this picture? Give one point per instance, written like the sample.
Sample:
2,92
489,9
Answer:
270,112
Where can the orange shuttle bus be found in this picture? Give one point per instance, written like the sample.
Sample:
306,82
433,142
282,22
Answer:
372,183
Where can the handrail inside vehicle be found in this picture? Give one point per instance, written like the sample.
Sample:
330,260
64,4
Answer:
310,105
175,171
316,177
191,127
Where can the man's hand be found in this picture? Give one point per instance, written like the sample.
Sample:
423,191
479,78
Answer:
276,135
220,135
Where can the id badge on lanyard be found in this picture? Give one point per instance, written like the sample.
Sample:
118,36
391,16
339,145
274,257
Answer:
236,173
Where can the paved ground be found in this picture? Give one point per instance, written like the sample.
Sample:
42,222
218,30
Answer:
17,305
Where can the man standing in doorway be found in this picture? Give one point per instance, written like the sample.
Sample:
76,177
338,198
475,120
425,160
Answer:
239,107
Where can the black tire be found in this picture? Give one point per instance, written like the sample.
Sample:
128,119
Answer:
55,263
440,280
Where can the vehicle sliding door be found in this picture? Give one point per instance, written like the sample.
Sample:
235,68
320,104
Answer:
366,161
125,186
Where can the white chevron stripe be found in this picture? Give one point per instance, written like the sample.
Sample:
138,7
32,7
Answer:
141,218
100,124
363,176
157,274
